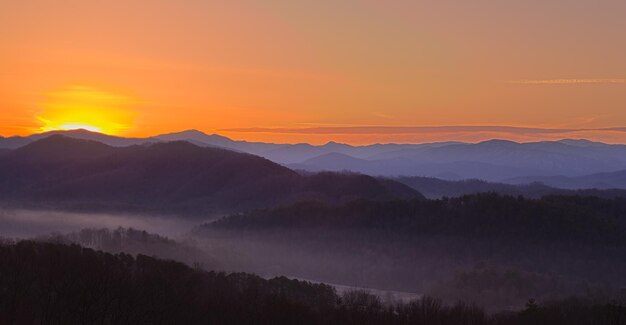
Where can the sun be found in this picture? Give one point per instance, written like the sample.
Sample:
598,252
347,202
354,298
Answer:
89,108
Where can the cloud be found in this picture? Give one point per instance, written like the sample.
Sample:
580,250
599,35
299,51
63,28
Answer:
567,81
421,130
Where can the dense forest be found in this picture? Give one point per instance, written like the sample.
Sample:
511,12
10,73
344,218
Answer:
497,251
485,215
53,283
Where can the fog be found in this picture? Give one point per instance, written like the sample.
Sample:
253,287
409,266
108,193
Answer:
228,254
393,267
31,223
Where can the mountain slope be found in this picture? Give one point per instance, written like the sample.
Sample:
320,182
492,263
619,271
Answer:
166,177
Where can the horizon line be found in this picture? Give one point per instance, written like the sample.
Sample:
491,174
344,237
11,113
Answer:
513,130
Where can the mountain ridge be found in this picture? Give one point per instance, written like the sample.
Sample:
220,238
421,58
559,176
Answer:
493,160
177,177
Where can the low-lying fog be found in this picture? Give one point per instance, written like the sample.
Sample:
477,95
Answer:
228,255
395,268
28,223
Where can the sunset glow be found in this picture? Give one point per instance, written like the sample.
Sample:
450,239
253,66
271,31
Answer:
82,107
225,66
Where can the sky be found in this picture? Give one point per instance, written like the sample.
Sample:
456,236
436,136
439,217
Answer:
313,71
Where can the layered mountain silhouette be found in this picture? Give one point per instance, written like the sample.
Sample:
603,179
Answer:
63,172
494,160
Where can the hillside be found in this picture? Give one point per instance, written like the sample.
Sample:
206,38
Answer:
435,188
572,245
177,177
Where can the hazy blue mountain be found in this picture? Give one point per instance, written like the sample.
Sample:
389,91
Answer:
13,142
217,140
452,170
494,160
292,153
179,177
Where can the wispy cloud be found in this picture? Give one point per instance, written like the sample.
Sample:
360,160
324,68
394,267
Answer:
567,81
420,130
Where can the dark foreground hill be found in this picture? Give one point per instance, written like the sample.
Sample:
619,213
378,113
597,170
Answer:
177,177
46,283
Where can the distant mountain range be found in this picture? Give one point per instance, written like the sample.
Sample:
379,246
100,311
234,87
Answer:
178,177
566,163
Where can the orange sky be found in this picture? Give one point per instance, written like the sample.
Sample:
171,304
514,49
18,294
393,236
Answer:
141,67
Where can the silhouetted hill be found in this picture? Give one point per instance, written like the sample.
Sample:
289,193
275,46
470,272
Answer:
58,148
166,177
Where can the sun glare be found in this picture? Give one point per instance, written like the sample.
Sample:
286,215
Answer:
81,107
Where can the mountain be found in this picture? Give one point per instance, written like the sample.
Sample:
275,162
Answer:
332,162
82,134
216,140
611,180
17,142
493,160
177,177
402,166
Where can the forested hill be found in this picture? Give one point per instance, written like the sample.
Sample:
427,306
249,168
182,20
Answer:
483,216
67,173
435,188
47,283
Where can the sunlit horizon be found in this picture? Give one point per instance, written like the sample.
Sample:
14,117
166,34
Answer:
241,65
